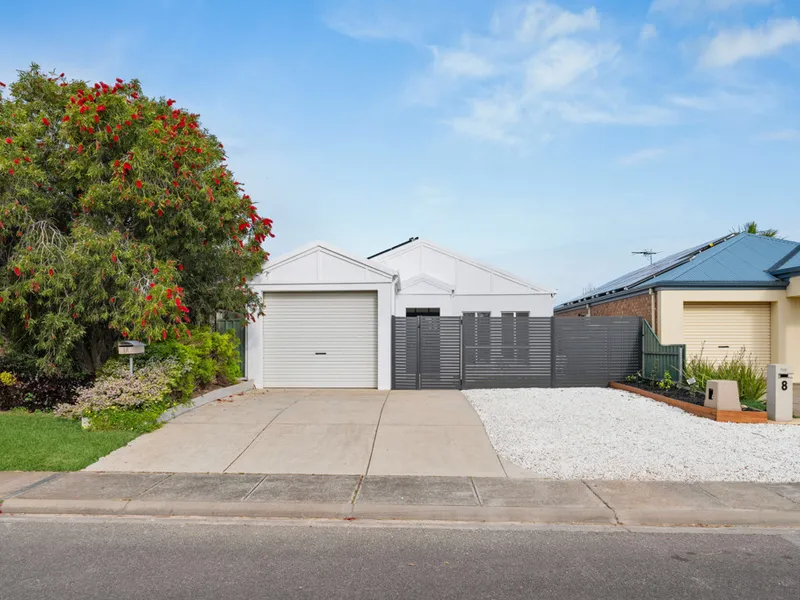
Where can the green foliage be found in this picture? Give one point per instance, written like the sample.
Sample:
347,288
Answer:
666,383
752,228
168,374
743,369
118,218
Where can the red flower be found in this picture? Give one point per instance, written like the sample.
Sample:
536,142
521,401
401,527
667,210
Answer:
17,272
152,285
243,226
108,128
149,297
96,119
160,213
155,270
138,184
50,272
100,108
163,334
180,267
65,119
126,167
9,141
119,80
116,163
116,138
170,102
11,171
45,121
112,300
2,84
113,257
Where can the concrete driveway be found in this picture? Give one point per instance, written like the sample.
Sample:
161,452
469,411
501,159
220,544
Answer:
332,432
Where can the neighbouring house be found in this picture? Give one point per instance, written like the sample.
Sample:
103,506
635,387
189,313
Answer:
738,292
328,314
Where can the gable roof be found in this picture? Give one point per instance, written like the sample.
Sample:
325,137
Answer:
736,260
414,243
302,251
423,278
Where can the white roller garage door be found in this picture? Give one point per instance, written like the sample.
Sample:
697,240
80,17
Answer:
321,339
721,329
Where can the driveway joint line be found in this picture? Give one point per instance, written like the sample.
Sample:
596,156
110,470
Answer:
358,489
254,488
608,506
475,490
377,427
156,484
253,441
33,485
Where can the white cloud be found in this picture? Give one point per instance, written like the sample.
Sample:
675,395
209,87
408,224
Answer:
648,32
640,156
460,63
731,46
781,135
754,101
688,8
564,62
543,21
492,119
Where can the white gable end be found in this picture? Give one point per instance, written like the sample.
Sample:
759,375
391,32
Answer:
320,263
463,275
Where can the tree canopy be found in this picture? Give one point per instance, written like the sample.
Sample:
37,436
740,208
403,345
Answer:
753,228
119,218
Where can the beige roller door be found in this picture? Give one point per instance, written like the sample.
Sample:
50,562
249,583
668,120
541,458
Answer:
721,329
321,339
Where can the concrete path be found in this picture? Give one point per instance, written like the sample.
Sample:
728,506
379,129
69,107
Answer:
470,499
322,432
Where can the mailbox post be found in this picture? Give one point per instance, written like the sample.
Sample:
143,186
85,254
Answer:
779,393
130,348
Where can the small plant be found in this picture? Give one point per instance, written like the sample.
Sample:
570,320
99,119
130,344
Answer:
666,382
7,379
741,368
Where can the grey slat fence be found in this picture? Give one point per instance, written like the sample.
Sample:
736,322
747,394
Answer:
591,351
658,358
506,352
426,353
484,352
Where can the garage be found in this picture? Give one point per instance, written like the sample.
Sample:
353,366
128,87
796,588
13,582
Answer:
321,339
722,329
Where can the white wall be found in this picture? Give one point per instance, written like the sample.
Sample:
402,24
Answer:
536,305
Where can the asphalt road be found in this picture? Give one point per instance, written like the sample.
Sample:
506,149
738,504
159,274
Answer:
124,558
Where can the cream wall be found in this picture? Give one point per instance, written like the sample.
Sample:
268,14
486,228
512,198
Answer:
785,317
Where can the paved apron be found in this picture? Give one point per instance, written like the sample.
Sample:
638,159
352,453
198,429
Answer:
323,432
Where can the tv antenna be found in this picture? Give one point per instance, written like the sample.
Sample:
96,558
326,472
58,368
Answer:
647,253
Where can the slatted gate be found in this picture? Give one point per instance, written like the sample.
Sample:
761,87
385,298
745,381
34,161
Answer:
494,352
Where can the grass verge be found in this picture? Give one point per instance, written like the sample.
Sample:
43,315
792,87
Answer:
43,442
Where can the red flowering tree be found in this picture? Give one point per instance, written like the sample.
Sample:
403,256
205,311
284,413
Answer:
119,218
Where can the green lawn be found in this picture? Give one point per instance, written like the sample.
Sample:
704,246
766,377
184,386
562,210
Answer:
42,442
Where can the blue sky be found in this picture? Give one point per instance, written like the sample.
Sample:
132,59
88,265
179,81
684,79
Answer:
547,138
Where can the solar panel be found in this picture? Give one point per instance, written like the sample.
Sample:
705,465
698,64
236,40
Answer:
638,276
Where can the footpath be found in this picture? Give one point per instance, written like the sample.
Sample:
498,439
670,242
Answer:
352,497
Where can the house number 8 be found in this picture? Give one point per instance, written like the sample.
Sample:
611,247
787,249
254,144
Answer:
784,385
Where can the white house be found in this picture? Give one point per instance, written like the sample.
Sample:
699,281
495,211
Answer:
328,313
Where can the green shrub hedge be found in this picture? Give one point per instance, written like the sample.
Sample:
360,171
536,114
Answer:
168,374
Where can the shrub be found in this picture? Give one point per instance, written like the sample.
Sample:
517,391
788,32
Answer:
22,385
118,400
168,374
741,368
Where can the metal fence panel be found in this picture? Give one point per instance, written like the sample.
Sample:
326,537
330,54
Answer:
405,353
591,351
440,353
504,352
658,358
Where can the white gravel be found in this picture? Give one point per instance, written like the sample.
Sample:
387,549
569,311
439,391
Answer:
597,433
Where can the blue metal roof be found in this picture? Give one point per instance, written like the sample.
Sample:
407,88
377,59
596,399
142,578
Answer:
737,259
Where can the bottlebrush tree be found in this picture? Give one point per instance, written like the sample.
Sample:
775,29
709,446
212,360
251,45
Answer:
119,218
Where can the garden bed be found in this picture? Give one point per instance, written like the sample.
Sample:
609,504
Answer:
691,404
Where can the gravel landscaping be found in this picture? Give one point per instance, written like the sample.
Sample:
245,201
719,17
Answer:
601,433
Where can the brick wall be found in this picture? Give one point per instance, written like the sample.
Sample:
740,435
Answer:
632,306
